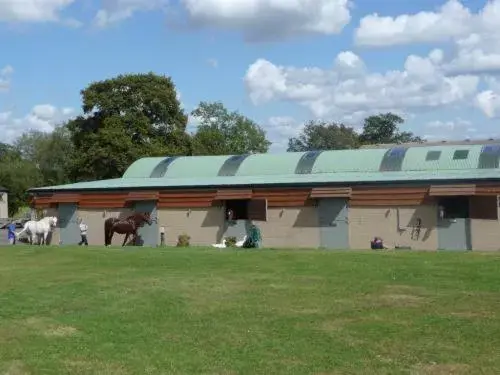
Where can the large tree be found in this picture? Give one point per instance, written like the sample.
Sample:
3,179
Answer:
50,152
18,175
222,132
125,118
384,128
321,135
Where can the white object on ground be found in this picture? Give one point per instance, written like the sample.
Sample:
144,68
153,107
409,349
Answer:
240,243
220,245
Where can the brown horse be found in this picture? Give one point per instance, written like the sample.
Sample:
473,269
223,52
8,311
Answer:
126,226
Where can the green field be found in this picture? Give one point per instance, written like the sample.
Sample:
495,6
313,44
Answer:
73,310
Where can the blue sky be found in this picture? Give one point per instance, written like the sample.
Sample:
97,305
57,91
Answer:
280,62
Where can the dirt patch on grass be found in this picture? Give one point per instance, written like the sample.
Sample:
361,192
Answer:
334,325
16,368
83,366
473,314
49,328
212,294
337,324
442,369
398,296
61,331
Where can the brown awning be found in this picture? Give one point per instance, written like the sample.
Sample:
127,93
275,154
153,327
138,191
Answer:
330,192
65,198
452,190
142,196
229,194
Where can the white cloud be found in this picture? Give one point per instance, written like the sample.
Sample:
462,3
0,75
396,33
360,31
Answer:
458,124
457,129
32,10
279,129
114,11
5,76
214,63
489,102
284,126
475,36
421,84
452,20
257,19
43,117
270,19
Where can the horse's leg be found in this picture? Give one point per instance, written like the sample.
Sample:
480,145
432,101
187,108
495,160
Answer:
45,235
125,240
110,238
106,236
135,238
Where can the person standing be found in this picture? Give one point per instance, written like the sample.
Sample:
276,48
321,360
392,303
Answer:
83,233
162,236
11,233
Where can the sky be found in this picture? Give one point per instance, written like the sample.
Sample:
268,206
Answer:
279,62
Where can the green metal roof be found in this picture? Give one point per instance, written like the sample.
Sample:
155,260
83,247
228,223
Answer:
366,160
269,164
195,166
399,163
142,168
319,178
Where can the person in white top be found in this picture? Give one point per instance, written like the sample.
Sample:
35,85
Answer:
83,233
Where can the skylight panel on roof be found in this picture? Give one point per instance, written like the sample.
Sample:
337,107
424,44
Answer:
433,155
460,154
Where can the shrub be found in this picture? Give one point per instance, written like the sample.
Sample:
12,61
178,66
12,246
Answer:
231,241
183,240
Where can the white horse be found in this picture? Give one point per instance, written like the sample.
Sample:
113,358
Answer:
39,229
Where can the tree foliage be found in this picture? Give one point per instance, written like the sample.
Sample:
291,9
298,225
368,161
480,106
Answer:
126,118
18,175
222,132
49,152
384,128
378,129
321,135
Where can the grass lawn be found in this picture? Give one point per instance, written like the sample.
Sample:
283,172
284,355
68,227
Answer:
73,310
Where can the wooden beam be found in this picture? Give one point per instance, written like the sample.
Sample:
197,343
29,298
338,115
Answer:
142,196
452,190
65,198
231,194
330,192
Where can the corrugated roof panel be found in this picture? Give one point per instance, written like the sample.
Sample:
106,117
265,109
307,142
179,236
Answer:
162,167
489,157
231,165
416,158
334,178
142,167
364,160
269,164
196,166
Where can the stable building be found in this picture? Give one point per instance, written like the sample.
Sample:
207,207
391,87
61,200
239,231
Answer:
417,196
